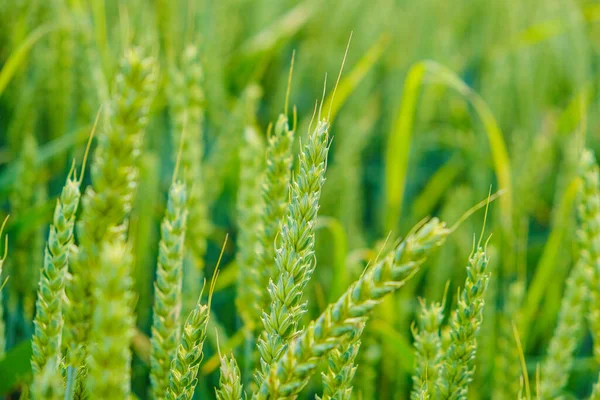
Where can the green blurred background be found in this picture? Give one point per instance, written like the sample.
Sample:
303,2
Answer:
506,99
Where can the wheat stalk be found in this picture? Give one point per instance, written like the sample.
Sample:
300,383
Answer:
2,284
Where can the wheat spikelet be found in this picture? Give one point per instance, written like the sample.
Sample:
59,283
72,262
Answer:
588,236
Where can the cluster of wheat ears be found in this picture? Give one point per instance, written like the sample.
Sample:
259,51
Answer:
84,314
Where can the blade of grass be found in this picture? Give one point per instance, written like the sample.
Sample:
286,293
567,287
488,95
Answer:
400,138
285,27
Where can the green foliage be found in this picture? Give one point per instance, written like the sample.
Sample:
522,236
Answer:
501,93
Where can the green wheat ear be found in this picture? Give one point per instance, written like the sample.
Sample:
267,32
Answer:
588,236
109,359
275,198
458,362
188,356
428,349
185,95
295,258
249,209
230,386
288,376
337,381
107,202
49,384
166,325
569,330
48,322
183,375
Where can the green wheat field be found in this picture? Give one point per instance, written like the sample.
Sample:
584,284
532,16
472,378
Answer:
315,199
